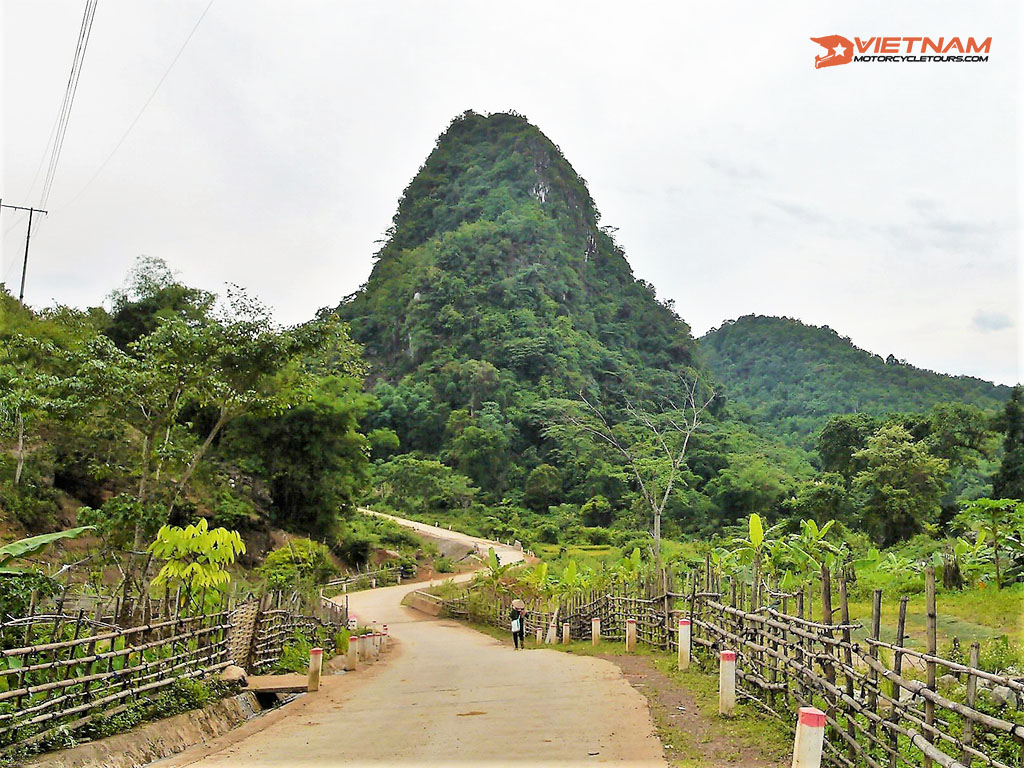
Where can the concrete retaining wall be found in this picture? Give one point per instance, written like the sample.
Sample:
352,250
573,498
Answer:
157,740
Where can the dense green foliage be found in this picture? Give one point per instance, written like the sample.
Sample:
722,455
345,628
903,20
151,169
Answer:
298,565
495,301
177,405
788,378
1009,480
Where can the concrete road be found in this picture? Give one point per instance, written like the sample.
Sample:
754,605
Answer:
449,695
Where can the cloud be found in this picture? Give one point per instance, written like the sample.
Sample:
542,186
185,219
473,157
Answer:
735,170
986,322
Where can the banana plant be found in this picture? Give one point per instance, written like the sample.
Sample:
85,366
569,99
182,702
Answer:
573,580
19,550
491,576
972,557
810,549
757,546
629,567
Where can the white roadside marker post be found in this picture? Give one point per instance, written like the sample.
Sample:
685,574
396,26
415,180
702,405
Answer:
316,663
595,630
684,644
352,656
630,635
384,637
540,635
810,738
727,683
565,633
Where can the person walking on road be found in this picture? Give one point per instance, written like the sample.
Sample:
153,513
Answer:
518,624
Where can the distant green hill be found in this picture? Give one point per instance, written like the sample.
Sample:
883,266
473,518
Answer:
790,377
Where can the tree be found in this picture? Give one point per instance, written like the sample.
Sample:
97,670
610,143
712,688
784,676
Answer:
152,294
37,355
900,487
823,498
840,440
143,389
597,511
992,520
657,461
1008,482
259,368
418,486
197,556
543,487
313,456
749,484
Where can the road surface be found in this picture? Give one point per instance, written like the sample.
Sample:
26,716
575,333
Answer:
446,695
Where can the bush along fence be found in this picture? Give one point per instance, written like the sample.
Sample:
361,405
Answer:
885,704
61,675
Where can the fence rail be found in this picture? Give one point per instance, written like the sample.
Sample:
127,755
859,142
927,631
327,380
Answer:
881,710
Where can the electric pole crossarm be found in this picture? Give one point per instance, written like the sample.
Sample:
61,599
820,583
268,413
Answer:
28,238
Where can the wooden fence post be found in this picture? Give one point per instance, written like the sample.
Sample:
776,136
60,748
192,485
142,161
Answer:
929,705
897,667
972,693
876,627
851,730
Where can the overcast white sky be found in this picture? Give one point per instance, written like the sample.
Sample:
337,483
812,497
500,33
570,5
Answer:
879,199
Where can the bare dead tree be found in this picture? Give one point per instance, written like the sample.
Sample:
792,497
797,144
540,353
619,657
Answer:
670,428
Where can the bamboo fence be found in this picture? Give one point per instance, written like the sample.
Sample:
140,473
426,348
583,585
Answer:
60,673
883,705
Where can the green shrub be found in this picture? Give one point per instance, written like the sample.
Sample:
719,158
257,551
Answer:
232,512
599,536
295,655
300,563
547,533
443,565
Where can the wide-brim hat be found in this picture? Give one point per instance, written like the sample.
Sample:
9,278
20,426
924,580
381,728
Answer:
517,603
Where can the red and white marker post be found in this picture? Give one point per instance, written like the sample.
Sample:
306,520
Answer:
316,664
684,644
810,738
727,683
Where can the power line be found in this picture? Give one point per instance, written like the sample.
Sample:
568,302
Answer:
69,98
144,106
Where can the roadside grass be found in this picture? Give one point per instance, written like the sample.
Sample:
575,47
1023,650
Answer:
974,614
748,726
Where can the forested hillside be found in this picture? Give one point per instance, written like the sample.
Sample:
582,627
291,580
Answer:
789,378
496,300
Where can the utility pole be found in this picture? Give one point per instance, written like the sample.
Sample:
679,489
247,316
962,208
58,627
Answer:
28,237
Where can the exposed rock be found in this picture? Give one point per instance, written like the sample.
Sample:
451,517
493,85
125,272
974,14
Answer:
1003,696
233,674
946,682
